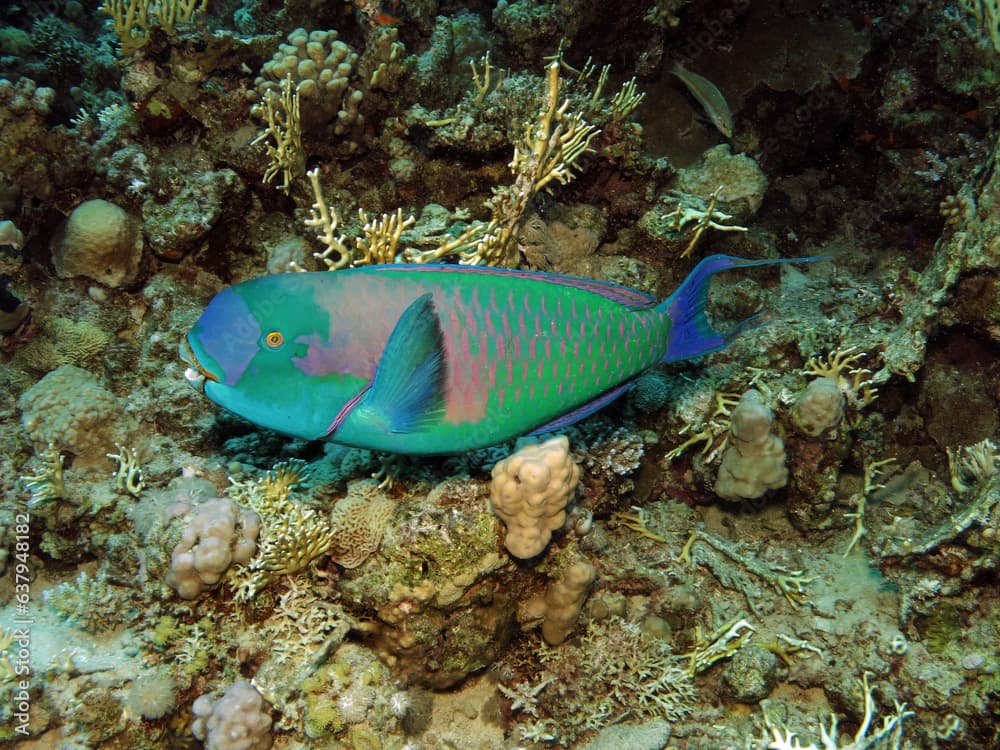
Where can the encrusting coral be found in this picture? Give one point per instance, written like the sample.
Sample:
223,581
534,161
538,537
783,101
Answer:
530,491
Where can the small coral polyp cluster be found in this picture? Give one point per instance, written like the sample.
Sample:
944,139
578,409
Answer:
789,544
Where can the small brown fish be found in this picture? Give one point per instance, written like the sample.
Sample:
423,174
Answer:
709,97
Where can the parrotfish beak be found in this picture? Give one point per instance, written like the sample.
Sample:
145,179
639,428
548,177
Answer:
196,373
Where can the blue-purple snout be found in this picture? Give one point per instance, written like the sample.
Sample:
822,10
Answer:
222,343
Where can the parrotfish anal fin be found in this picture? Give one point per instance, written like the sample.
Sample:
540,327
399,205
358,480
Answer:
408,387
691,335
585,410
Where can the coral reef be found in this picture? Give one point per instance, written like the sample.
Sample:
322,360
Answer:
790,543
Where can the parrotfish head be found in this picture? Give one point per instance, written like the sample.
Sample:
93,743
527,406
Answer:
253,352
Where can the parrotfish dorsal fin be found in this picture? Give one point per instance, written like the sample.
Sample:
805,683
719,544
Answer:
408,387
630,297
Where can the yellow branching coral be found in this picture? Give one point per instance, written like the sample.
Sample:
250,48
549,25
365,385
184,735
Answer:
284,125
873,469
134,19
284,477
380,240
720,644
128,475
854,382
324,218
292,534
548,153
290,542
47,484
691,208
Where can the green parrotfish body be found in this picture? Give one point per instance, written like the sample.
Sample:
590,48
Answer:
433,359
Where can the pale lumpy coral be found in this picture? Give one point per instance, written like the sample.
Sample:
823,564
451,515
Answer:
754,462
101,241
218,534
819,408
319,66
530,491
239,720
560,606
72,410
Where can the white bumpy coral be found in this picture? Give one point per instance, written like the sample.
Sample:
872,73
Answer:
530,491
219,534
236,721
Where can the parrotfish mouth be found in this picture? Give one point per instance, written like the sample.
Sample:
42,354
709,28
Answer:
195,374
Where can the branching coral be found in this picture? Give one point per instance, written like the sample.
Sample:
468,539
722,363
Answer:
89,602
47,484
790,583
613,672
128,476
283,115
303,626
292,534
888,737
134,19
856,383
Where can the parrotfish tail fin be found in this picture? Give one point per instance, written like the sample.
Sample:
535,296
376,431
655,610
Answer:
691,334
407,391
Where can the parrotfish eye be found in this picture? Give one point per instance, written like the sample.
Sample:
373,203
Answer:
274,339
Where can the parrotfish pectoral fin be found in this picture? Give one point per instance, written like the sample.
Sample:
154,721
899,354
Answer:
691,334
581,412
408,388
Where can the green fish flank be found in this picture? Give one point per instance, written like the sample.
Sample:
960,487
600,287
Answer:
425,359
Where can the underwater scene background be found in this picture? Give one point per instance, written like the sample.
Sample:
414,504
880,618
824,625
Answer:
790,543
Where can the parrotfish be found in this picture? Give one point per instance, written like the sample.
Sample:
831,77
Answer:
435,359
